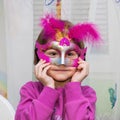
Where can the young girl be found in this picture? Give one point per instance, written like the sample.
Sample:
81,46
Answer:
60,68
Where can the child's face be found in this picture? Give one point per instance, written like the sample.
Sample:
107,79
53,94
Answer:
62,58
62,55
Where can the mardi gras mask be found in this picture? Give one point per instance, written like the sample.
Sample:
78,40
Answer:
60,37
61,54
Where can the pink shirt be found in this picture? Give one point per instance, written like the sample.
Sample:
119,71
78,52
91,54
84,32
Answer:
73,102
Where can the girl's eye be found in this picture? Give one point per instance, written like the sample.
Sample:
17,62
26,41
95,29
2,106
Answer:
52,53
72,54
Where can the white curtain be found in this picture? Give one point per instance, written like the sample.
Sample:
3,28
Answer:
18,45
3,62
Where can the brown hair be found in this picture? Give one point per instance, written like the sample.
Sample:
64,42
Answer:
41,39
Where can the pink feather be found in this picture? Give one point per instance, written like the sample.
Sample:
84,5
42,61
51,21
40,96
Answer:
84,32
50,25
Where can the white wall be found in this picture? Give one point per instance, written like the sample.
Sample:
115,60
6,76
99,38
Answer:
19,44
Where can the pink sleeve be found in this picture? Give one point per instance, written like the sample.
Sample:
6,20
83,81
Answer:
80,102
34,106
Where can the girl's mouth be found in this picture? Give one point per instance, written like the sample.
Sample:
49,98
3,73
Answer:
60,70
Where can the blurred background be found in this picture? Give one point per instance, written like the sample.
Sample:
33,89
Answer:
19,28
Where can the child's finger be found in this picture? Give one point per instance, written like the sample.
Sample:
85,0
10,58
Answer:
39,63
39,67
80,59
81,66
42,67
46,69
81,62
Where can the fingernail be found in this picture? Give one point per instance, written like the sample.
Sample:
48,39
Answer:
44,61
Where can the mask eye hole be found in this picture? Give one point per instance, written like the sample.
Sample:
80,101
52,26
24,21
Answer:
52,53
72,54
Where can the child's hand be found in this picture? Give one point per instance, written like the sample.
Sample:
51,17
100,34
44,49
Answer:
82,71
41,74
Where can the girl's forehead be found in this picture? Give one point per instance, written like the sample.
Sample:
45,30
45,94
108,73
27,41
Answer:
56,45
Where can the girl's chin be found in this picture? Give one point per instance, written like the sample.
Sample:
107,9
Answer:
61,80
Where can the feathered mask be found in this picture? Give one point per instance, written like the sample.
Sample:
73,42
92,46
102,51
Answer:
57,30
